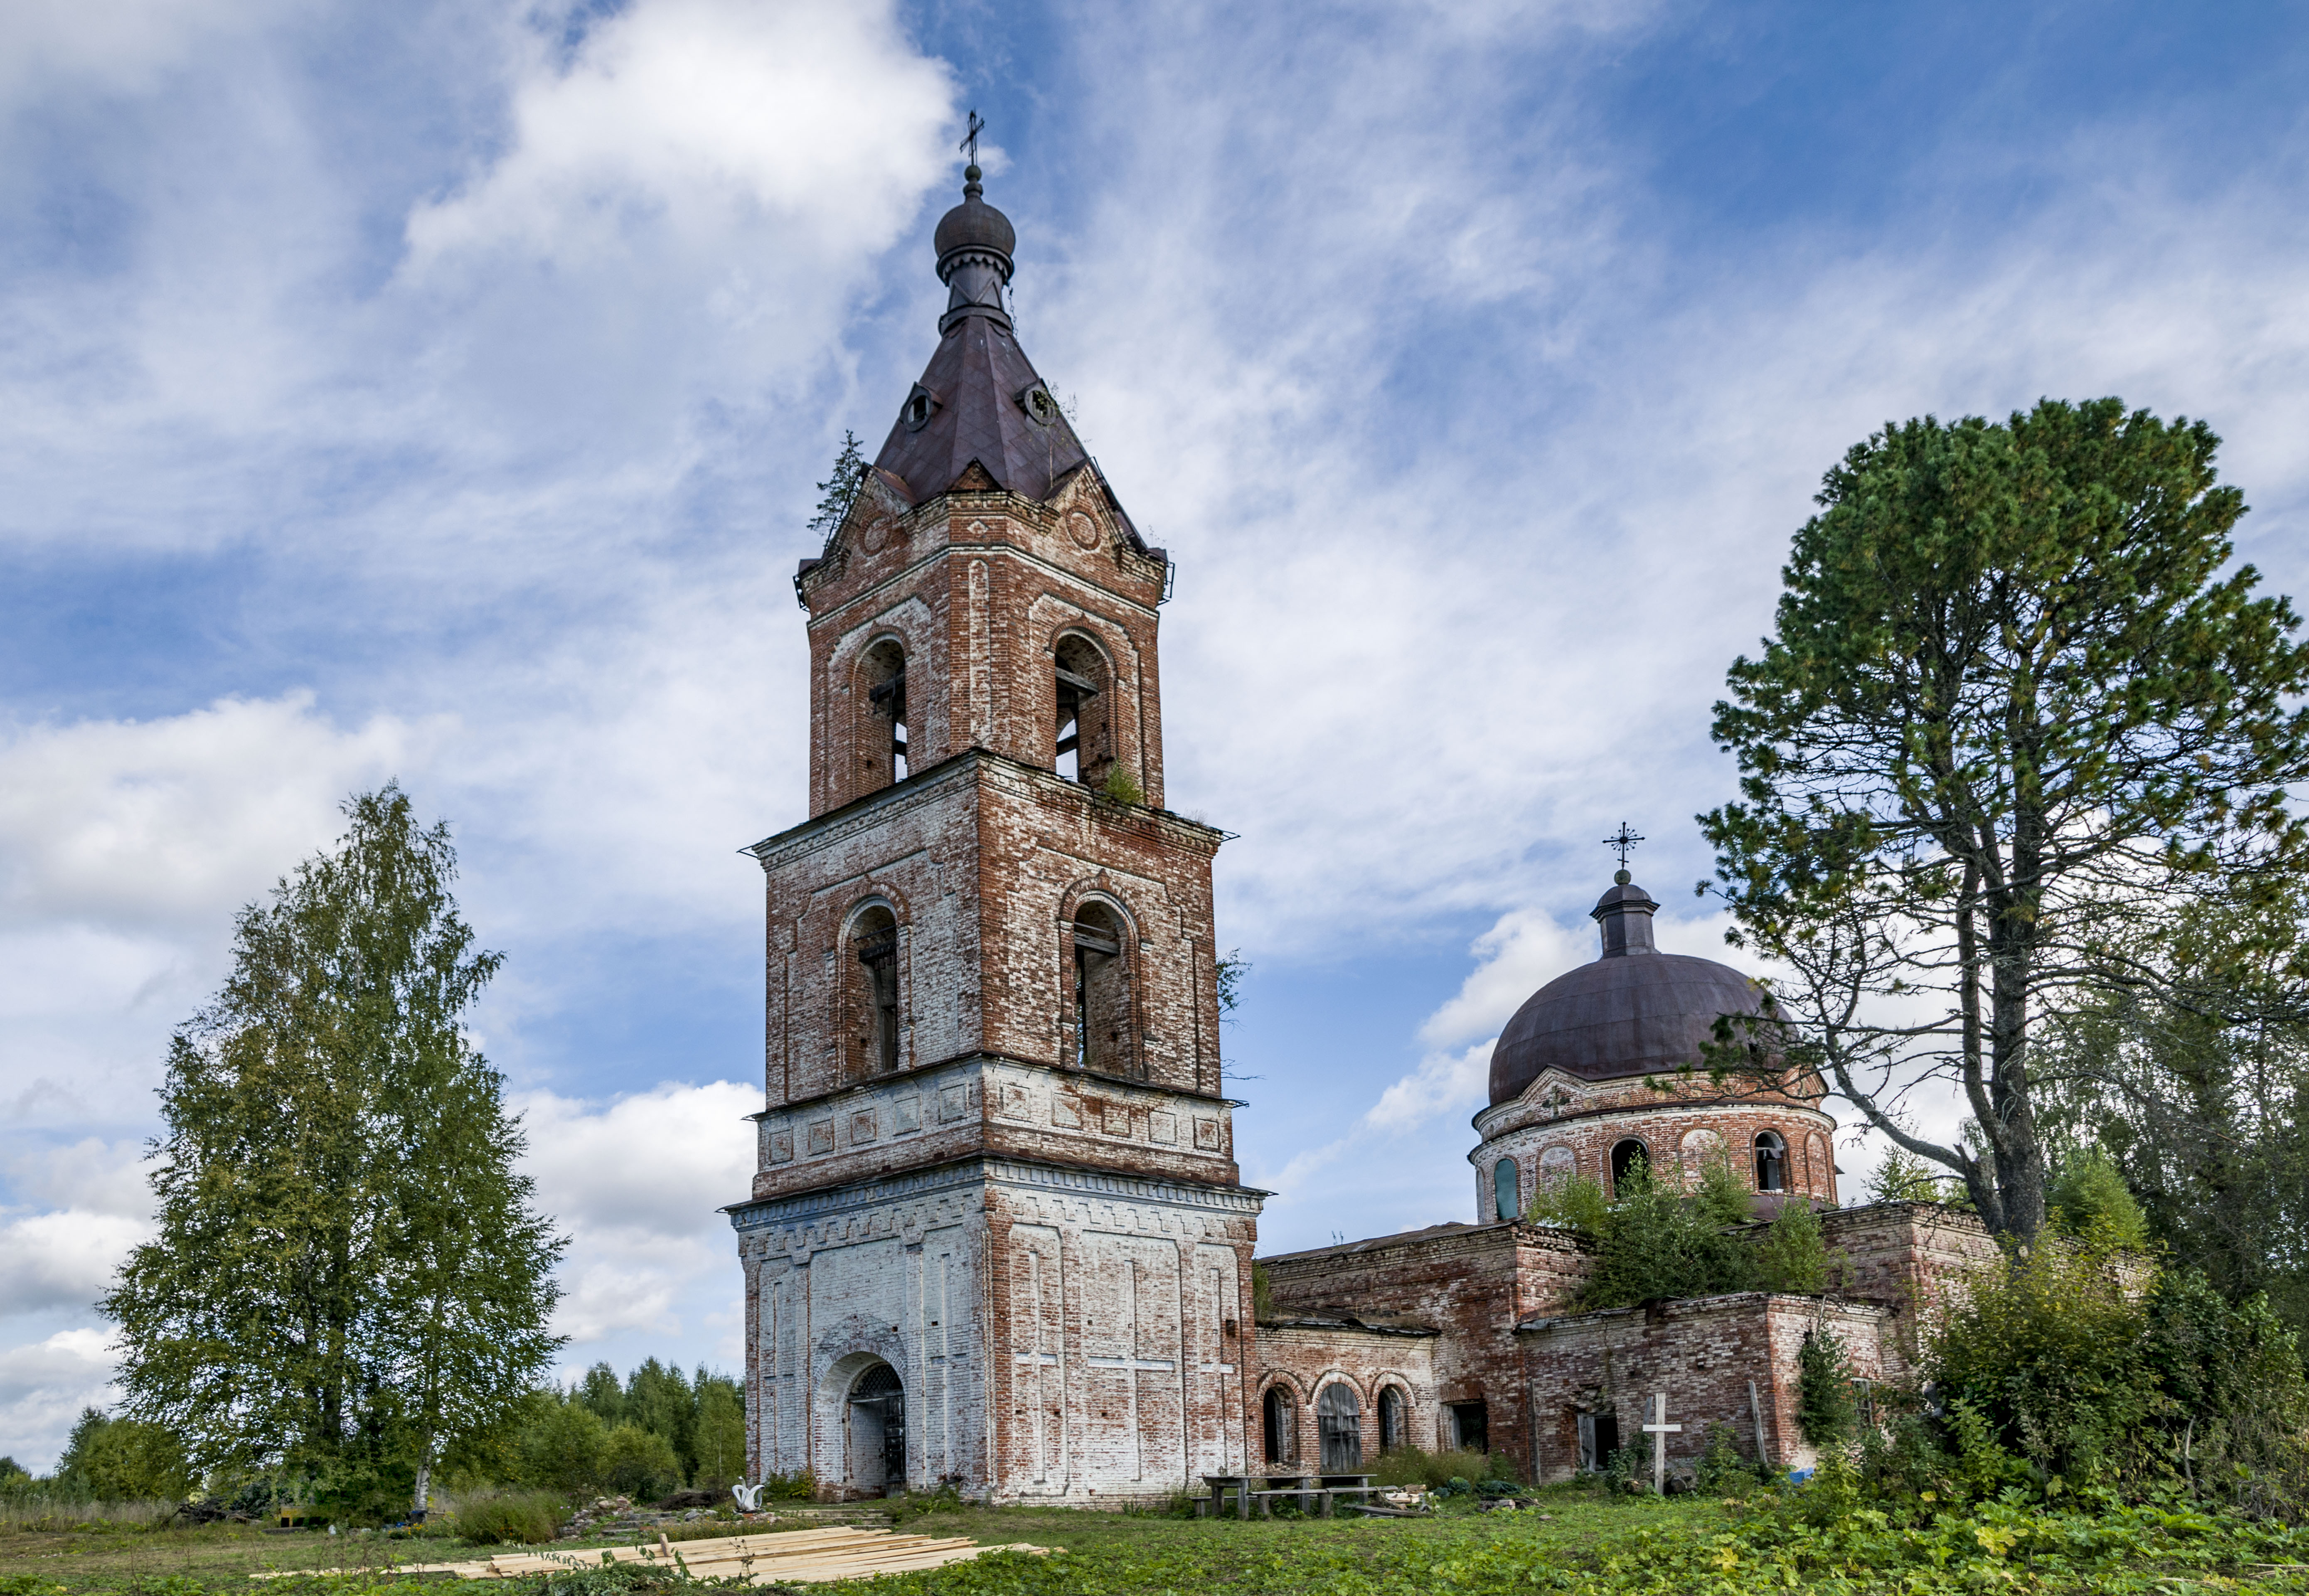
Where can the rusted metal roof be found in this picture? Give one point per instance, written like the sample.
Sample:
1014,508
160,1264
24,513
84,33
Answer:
980,384
1635,1011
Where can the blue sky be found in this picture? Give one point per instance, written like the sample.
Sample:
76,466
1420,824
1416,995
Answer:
437,390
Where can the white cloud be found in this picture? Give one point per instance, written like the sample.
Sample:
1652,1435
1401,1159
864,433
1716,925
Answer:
676,115
174,822
63,1260
635,1184
114,45
43,1387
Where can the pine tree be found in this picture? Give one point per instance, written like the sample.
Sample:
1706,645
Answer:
836,492
2020,710
348,1271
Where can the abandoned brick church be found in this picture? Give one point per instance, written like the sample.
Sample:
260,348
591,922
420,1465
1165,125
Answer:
997,1238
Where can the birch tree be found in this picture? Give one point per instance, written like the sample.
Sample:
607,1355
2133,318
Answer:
349,1268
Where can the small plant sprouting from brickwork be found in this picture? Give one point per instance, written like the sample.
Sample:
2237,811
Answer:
1121,785
836,493
1231,972
1262,1292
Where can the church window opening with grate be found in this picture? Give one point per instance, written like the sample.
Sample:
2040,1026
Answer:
1506,1189
1080,675
1101,993
876,940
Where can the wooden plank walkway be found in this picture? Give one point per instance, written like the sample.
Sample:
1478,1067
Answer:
795,1556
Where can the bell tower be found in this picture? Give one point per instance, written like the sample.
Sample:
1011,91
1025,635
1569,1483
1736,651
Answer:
997,1238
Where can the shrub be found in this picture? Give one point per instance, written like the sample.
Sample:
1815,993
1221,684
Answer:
1414,1466
1576,1203
2089,1200
1793,1256
1824,1407
124,1459
1721,1468
1122,787
499,1518
565,1446
1655,1242
640,1463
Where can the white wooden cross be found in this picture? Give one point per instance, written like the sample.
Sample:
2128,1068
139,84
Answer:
1659,1429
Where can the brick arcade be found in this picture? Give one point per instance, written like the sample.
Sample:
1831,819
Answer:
998,1238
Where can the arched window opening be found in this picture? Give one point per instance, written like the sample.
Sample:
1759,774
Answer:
1276,1410
882,733
1102,994
874,939
1628,1157
1083,754
1771,1162
1506,1189
1392,1418
1339,1421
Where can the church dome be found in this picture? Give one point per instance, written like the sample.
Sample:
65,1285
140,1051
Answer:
1635,1011
974,224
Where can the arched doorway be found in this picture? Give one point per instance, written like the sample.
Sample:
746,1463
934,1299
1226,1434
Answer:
878,1430
1390,1417
1339,1418
1276,1410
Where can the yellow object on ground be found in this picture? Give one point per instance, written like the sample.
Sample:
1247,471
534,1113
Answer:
793,1557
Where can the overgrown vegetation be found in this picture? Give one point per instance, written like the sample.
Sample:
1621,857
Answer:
510,1518
1660,1239
2087,1364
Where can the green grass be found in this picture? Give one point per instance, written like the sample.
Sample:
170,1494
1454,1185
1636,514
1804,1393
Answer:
1577,1541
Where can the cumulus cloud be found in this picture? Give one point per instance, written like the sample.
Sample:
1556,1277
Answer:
164,824
64,1259
43,1387
636,1183
674,114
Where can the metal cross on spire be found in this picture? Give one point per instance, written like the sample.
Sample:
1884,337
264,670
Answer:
969,139
1621,841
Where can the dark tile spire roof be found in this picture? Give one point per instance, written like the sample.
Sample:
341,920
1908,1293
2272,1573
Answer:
979,400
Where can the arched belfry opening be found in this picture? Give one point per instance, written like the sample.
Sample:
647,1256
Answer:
882,723
878,1431
1085,751
1102,1039
874,941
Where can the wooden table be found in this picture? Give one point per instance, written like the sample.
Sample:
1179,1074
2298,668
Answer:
1220,1484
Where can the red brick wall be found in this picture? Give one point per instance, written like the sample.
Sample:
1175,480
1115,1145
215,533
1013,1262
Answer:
1702,1353
1300,1357
979,587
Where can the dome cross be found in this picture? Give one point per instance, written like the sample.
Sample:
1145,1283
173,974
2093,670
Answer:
1621,841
